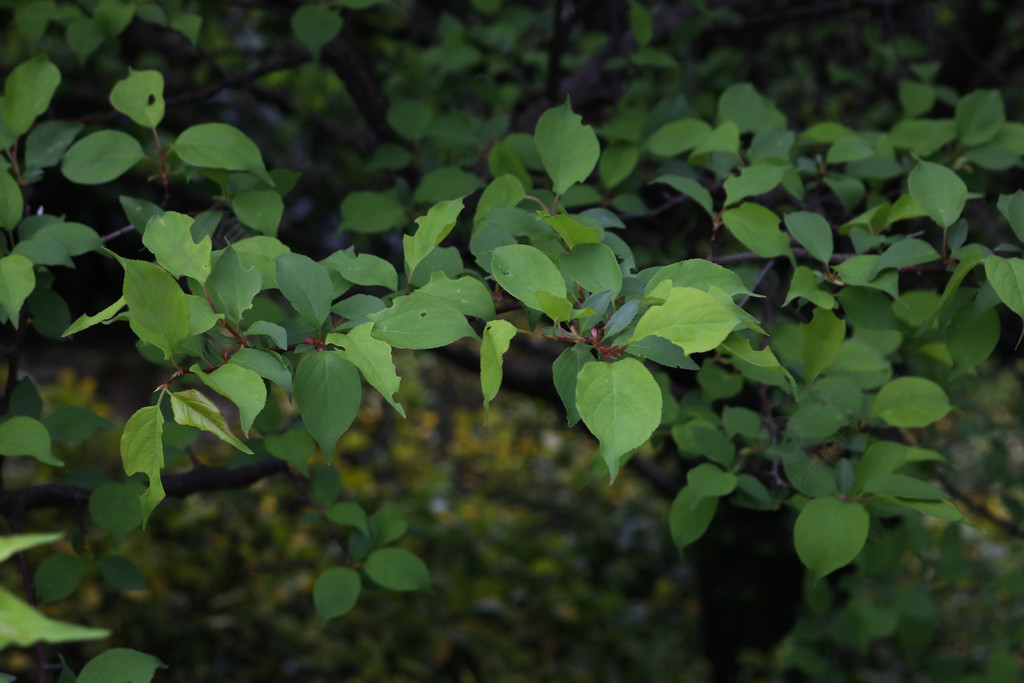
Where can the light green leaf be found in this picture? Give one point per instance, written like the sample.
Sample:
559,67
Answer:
1006,275
572,231
101,157
27,93
690,516
373,358
307,286
169,237
677,137
241,386
232,286
708,480
724,139
193,409
830,533
813,232
467,293
140,97
22,625
805,284
266,364
758,229
568,149
1012,208
11,545
336,592
939,191
17,280
522,271
621,405
420,321
689,318
504,192
316,25
372,212
752,181
219,145
398,570
593,267
430,230
328,392
158,311
261,210
911,402
20,435
363,269
699,273
980,116
12,203
120,665
857,270
497,337
142,450
820,341
617,163
748,360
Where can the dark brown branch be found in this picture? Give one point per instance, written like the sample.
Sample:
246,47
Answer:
176,485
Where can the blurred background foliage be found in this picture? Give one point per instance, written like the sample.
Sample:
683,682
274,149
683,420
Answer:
540,571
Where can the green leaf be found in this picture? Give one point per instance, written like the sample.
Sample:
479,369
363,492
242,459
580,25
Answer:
22,625
83,37
120,665
690,516
140,97
157,307
307,286
708,480
12,203
17,280
373,358
911,402
58,576
699,273
621,405
20,435
219,145
743,106
75,238
27,93
261,210
830,533
903,486
335,592
328,392
114,506
363,269
805,284
142,450
758,229
568,149
724,139
294,446
661,351
241,386
101,157
193,409
189,25
749,361
497,337
691,188
121,573
87,321
813,232
233,286
617,163
47,142
420,321
348,514
857,270
565,371
677,137
689,318
916,98
372,212
169,237
593,267
315,26
821,340
504,192
939,191
1006,275
752,181
1012,208
572,231
908,252
446,183
430,230
113,16
467,293
71,423
398,570
522,271
980,115
266,364
11,545
641,22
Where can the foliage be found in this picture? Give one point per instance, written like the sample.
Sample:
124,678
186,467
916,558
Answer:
829,294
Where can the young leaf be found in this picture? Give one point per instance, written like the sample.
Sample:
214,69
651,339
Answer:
911,402
689,318
430,230
140,97
169,237
157,306
690,516
980,115
27,93
241,386
398,570
758,229
522,271
752,181
939,191
25,625
568,149
87,321
497,336
335,592
820,340
328,391
192,409
708,480
20,435
830,533
621,405
219,145
373,358
142,450
17,280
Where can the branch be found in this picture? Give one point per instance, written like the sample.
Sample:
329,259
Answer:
176,485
